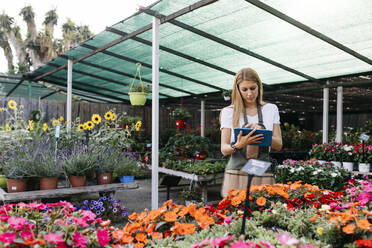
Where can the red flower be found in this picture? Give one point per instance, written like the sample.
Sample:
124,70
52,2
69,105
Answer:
80,240
364,242
7,237
103,237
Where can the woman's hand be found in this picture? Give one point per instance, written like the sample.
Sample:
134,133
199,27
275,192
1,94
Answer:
253,125
248,139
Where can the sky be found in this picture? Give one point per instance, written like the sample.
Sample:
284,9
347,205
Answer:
97,14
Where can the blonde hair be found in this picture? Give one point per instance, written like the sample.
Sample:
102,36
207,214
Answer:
245,74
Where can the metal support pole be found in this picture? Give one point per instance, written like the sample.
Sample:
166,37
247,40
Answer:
69,94
202,118
325,113
339,126
155,114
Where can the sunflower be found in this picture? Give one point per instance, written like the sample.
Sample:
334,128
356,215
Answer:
138,125
1,110
81,127
45,127
88,125
7,127
96,118
55,122
22,107
12,104
61,118
31,125
113,117
108,115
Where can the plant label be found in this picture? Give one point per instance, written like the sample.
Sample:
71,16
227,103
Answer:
58,130
104,177
256,167
364,137
14,187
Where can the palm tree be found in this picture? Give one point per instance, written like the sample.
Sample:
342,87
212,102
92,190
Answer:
4,44
29,17
50,21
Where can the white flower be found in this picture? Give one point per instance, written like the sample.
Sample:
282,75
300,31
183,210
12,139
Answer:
333,174
348,148
315,172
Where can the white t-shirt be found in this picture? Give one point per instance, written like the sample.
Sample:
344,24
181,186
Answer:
270,116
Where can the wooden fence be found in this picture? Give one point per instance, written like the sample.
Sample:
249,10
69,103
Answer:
83,110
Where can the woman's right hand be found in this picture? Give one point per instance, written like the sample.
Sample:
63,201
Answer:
248,139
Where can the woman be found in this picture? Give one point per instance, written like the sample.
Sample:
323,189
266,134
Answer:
247,110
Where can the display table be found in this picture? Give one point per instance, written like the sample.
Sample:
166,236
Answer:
201,181
63,192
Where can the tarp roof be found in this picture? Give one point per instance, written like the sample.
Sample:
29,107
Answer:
203,43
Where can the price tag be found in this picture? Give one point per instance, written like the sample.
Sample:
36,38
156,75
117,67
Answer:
256,167
364,137
58,130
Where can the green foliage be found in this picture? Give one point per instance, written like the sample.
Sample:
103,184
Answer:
125,119
202,168
125,166
185,145
226,92
191,195
139,87
35,115
47,166
294,138
80,162
181,114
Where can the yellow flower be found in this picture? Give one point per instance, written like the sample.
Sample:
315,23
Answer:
22,107
88,125
319,230
7,127
31,125
325,208
138,125
113,117
45,127
61,118
96,118
108,115
1,110
12,104
55,122
81,127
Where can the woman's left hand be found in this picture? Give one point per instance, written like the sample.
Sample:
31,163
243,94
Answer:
253,125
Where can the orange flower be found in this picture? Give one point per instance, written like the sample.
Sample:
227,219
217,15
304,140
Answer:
133,216
188,228
156,235
106,223
183,212
167,203
141,237
192,209
363,224
151,228
205,221
367,212
127,239
139,245
170,216
261,201
349,229
118,234
134,227
313,219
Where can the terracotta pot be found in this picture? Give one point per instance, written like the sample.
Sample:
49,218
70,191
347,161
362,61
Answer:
48,183
77,181
104,178
16,185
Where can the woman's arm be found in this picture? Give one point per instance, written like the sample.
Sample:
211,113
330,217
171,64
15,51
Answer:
277,142
226,148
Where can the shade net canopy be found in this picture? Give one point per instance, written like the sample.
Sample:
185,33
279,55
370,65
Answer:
285,41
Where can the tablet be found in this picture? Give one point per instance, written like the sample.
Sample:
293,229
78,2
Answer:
268,134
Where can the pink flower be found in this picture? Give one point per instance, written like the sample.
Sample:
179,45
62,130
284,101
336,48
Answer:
4,217
364,198
54,238
80,221
80,240
286,239
88,215
221,242
17,223
26,235
36,205
7,237
200,244
103,237
63,245
334,205
227,220
307,246
242,244
267,244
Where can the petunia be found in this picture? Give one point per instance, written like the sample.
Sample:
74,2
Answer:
26,235
286,239
17,223
241,244
7,237
103,237
80,222
364,198
88,215
54,238
221,242
267,244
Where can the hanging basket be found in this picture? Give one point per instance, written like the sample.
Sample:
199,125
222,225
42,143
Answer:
137,98
138,92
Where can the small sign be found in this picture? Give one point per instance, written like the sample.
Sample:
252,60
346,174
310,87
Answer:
148,145
256,167
364,137
14,187
104,177
58,130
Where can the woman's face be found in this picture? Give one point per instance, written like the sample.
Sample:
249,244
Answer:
249,91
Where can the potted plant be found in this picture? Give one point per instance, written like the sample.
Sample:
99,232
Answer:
127,120
48,170
364,158
125,168
77,166
138,92
226,94
181,115
104,166
191,196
